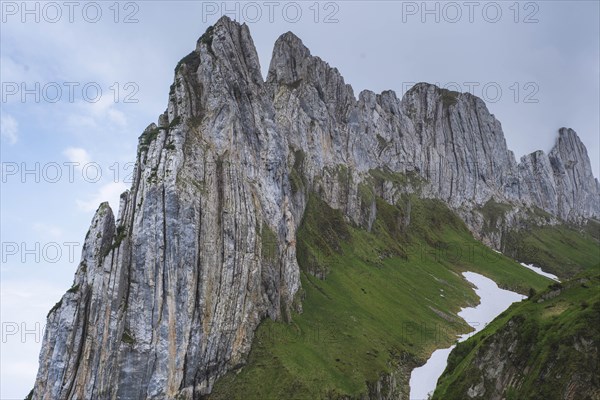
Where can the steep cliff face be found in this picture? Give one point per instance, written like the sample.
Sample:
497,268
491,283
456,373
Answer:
170,298
449,139
562,182
544,348
167,297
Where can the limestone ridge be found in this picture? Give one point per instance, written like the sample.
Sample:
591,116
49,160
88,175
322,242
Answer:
562,182
167,297
172,302
448,138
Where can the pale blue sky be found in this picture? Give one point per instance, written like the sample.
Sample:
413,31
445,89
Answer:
375,45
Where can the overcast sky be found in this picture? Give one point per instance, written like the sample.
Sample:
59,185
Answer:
535,63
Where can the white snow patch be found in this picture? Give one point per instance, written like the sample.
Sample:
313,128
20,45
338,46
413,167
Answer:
494,301
539,271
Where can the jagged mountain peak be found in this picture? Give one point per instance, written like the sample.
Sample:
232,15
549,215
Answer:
292,64
205,246
568,141
229,44
290,39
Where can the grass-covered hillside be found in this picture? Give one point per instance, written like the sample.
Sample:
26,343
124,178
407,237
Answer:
374,303
562,250
543,348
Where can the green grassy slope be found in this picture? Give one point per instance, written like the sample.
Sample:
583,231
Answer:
388,299
546,347
561,250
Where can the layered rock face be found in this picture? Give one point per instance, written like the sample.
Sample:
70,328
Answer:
562,182
167,297
497,368
533,352
447,138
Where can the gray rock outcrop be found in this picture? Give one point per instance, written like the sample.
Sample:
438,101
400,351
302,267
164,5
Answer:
167,297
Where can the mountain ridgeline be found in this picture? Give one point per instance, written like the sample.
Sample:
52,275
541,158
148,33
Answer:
206,245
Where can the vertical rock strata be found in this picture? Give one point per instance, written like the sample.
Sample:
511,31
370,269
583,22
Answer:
167,297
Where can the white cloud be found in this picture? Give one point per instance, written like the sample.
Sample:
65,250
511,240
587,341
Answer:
99,116
15,72
78,122
77,155
117,117
104,109
9,128
109,192
51,231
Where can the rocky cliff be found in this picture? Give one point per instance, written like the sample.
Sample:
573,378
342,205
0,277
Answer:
544,348
167,296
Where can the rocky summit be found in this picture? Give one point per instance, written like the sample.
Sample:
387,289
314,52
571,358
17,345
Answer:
168,295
